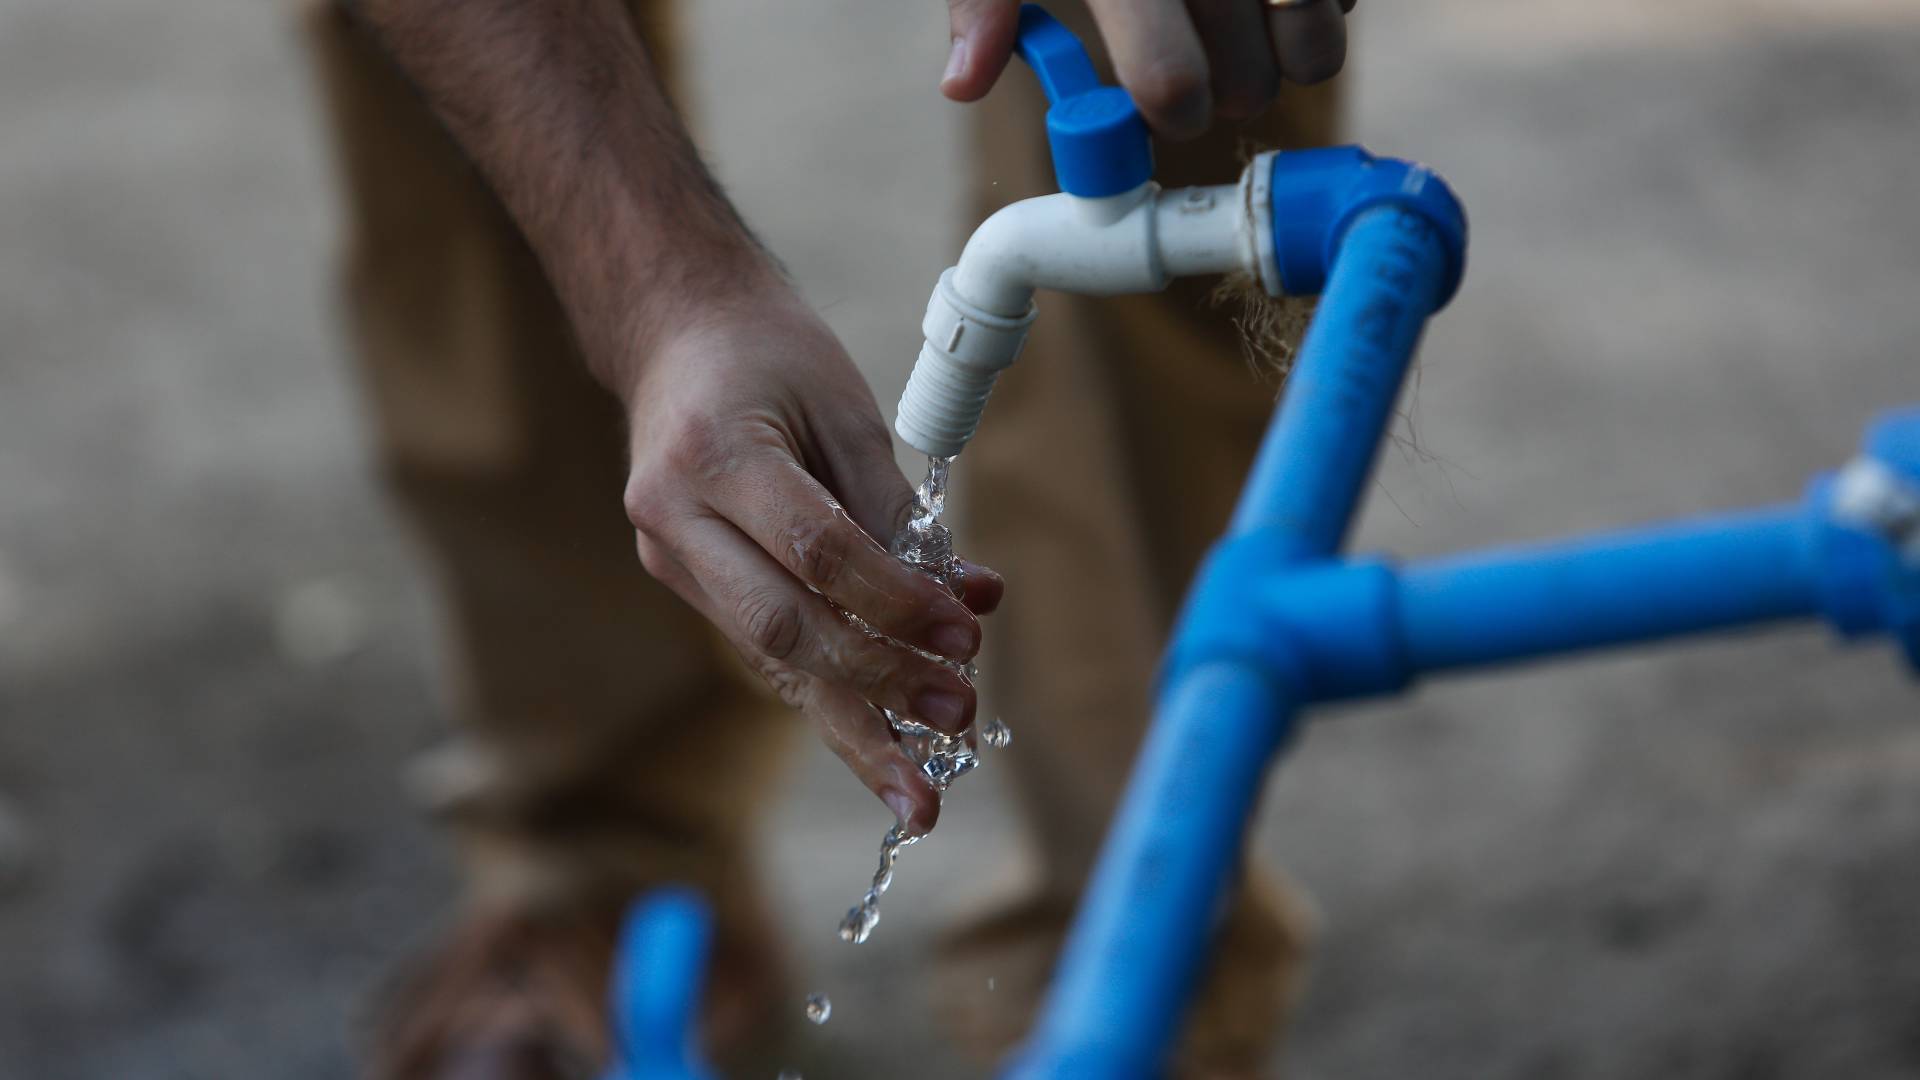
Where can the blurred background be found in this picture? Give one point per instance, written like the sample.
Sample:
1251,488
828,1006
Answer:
1695,271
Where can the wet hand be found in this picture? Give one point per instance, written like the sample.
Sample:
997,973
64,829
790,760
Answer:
761,478
1184,61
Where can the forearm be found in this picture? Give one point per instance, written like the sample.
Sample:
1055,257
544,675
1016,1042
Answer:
558,104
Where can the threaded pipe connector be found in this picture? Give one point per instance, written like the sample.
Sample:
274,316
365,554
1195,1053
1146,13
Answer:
966,350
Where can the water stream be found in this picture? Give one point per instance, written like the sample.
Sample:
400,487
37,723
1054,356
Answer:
926,544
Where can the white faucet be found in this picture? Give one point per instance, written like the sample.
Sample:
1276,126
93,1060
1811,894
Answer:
1134,242
1111,230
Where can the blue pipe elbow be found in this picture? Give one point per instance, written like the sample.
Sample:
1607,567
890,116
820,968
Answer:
1317,195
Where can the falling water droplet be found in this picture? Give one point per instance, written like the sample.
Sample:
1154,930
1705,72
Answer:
819,1009
997,734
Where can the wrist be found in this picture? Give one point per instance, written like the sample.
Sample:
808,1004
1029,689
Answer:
694,284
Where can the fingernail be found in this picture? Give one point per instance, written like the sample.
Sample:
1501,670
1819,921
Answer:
901,804
940,708
953,640
956,60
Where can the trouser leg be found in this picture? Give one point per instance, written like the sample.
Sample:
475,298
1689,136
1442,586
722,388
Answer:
609,739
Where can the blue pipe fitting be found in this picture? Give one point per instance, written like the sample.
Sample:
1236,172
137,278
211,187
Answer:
1331,630
1317,195
1320,448
1100,141
1870,535
657,986
1323,631
1893,439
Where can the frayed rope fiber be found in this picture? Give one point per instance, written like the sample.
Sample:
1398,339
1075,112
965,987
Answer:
1270,327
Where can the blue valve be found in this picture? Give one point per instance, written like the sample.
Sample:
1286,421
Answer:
1100,142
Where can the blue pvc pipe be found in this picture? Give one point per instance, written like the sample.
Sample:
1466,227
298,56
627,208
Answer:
1133,959
1320,449
1138,944
657,986
1643,585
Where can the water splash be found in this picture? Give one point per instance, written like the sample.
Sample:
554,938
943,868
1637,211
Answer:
926,544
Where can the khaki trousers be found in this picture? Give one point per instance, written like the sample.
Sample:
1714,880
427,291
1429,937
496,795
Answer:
612,739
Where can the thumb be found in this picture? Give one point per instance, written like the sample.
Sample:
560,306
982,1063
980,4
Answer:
983,33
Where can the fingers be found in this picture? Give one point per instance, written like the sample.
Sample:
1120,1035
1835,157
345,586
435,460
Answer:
858,455
980,588
857,733
850,726
793,518
1310,40
783,629
983,34
878,499
1180,62
1159,58
1243,74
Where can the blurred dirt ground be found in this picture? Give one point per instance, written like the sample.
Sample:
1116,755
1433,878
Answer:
1695,271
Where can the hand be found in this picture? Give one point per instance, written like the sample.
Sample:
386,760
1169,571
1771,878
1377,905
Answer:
761,477
761,470
1183,60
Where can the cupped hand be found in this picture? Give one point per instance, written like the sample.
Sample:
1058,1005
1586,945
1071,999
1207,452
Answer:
762,487
1184,61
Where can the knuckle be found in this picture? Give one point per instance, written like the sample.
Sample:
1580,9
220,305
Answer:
815,550
645,500
698,448
874,673
772,624
788,683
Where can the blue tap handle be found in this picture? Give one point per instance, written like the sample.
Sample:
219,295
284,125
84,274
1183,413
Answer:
1100,141
1054,54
